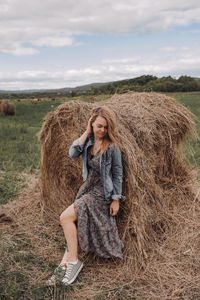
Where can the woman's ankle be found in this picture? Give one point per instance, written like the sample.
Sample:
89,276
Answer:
72,259
69,258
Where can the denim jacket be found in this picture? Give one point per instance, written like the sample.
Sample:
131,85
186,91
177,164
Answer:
111,170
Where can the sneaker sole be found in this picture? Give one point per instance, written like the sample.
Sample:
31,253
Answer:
73,279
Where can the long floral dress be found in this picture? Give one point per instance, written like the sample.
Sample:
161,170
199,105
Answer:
97,229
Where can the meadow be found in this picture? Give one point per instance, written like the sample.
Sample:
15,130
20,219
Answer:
20,159
192,102
19,145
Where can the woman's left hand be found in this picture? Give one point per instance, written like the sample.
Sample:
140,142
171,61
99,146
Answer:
114,207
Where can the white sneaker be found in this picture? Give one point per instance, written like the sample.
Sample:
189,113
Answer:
72,272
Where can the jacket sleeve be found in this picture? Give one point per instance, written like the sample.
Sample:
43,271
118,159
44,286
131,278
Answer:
117,174
75,149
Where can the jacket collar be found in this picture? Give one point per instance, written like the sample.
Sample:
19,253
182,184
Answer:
90,139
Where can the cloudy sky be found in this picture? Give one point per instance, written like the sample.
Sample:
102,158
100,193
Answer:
67,43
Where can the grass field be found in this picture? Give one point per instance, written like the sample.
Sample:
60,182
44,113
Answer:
20,157
192,102
19,146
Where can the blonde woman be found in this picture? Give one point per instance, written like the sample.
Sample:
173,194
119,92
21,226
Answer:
90,221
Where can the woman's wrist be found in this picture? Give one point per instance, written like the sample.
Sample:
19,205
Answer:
83,138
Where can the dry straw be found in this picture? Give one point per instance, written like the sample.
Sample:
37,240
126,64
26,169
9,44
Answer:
157,182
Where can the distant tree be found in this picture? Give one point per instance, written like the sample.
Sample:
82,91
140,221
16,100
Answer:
143,80
188,83
74,94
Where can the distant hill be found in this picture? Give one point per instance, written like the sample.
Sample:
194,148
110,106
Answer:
139,84
62,90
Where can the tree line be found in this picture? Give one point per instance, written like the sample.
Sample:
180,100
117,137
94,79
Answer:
144,83
148,83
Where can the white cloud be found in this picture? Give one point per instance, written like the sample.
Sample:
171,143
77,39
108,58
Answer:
179,62
53,41
57,23
169,48
20,51
120,60
173,48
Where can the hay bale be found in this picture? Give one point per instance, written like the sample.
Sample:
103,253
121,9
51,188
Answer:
1,107
157,182
93,99
9,109
34,101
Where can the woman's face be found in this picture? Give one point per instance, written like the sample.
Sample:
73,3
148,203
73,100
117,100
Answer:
100,127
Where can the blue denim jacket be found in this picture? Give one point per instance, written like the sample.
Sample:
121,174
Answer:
111,170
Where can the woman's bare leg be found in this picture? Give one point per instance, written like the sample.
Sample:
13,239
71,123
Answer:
68,219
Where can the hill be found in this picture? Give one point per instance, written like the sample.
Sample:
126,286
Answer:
139,84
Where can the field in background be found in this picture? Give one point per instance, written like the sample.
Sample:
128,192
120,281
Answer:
192,102
20,157
19,145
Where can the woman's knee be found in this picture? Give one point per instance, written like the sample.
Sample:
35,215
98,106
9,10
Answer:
68,214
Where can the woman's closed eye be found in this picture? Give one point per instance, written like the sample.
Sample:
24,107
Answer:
100,126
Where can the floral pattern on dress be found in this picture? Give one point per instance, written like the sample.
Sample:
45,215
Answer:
97,229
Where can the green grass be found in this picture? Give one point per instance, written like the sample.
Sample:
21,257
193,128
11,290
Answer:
19,146
192,102
10,185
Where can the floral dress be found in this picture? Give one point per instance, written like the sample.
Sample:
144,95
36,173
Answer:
97,229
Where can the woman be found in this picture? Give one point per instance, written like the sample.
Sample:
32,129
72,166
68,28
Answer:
97,201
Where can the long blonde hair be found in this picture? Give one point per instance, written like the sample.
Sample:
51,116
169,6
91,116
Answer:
109,116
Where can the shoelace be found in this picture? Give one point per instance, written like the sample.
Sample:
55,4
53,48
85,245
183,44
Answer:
69,269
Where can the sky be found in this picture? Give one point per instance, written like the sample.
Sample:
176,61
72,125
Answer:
68,43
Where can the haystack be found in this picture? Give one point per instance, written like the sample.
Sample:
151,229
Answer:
158,184
7,108
1,107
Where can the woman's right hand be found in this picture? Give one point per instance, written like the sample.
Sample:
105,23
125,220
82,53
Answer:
89,126
87,132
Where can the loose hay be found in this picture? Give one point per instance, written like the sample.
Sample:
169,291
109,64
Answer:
151,128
